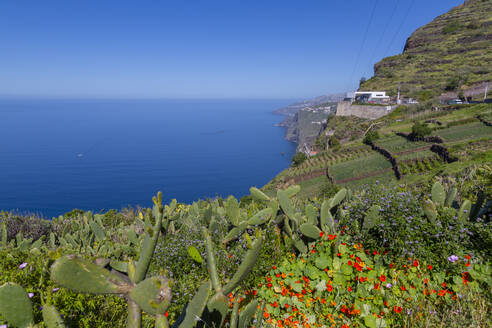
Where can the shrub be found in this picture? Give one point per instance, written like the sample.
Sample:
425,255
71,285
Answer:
371,136
298,159
403,228
30,226
420,130
333,142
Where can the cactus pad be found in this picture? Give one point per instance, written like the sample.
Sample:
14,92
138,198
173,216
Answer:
438,194
311,231
258,194
15,305
86,277
153,295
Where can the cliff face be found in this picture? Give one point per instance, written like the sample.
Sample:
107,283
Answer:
305,125
451,53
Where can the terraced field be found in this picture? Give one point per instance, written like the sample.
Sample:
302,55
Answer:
360,167
465,132
396,144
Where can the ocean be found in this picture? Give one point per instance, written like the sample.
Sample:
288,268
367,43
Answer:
58,155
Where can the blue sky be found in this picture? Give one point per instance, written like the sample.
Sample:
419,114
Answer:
200,48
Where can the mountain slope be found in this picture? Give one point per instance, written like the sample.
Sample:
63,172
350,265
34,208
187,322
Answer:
451,53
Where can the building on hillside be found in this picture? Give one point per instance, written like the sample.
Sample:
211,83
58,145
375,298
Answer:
372,97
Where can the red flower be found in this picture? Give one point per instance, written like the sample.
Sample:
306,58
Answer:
278,275
274,267
321,234
349,263
467,264
269,285
443,285
415,263
376,286
286,305
382,278
392,265
329,287
166,314
339,254
345,326
349,288
397,309
331,237
403,288
269,279
429,267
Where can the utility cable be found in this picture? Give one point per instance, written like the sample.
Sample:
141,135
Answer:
362,44
384,32
399,27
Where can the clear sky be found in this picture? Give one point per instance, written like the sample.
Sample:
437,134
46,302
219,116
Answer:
200,48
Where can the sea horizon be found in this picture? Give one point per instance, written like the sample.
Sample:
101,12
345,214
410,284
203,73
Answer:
101,154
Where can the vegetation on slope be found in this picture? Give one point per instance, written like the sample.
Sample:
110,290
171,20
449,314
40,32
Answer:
451,53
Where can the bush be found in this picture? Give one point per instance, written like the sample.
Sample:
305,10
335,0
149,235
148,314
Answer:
370,137
333,142
298,159
420,130
403,228
30,226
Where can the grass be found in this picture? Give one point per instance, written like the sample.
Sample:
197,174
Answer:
465,132
359,167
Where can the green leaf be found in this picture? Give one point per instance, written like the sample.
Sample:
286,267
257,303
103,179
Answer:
195,254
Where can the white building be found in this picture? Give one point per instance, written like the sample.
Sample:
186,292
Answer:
371,96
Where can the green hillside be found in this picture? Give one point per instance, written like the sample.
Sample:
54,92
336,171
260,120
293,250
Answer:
464,130
451,53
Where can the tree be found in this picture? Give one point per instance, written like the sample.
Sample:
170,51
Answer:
333,142
370,137
298,159
420,130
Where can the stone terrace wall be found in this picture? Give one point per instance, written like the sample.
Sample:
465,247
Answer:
345,108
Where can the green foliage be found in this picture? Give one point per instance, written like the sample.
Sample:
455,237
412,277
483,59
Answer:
371,136
421,130
340,283
333,142
298,159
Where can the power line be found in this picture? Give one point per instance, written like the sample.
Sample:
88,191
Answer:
384,31
362,45
399,27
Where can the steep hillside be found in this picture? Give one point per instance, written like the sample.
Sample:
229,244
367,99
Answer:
450,54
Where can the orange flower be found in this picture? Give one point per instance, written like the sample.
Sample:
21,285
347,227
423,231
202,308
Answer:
442,292
266,315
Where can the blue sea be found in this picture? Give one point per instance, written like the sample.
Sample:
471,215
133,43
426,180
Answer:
57,155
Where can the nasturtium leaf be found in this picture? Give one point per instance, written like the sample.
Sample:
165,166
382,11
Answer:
346,269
